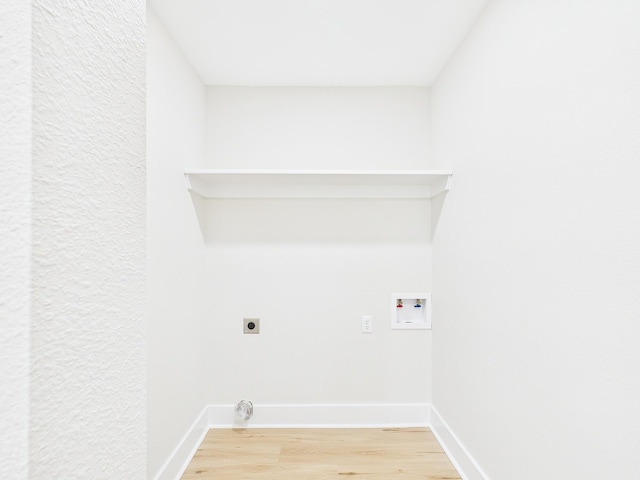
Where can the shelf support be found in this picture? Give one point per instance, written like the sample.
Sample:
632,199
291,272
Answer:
440,186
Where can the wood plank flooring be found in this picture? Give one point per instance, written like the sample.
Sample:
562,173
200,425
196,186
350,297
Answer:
318,454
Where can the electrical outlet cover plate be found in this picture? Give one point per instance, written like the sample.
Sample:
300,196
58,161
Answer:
367,324
251,325
411,311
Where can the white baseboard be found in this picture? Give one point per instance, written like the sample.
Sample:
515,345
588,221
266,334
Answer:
323,416
464,463
179,459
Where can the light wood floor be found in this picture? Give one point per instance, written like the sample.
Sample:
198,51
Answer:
327,453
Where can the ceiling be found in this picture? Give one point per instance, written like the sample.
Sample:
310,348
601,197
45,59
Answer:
318,42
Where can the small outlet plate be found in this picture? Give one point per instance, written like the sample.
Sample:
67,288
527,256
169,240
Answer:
251,325
367,324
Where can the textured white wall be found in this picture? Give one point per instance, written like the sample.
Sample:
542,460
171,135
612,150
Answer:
88,368
310,268
536,263
175,248
15,235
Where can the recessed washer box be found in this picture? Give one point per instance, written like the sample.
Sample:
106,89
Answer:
411,311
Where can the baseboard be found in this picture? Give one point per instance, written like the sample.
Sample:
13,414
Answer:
464,463
179,459
325,416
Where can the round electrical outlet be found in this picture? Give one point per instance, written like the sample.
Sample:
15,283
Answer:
251,325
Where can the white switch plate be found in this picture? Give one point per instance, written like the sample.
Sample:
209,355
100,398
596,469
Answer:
367,324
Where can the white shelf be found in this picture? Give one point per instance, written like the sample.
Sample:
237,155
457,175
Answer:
318,183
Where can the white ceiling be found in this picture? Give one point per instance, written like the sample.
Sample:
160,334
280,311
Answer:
318,42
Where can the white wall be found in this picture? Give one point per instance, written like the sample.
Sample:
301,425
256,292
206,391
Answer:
88,241
15,236
317,128
310,268
175,248
536,265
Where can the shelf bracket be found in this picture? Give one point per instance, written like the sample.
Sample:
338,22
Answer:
196,185
441,185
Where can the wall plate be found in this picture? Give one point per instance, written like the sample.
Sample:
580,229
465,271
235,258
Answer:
251,325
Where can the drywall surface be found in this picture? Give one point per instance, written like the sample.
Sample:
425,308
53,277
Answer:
536,261
317,127
175,248
309,269
15,235
88,379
